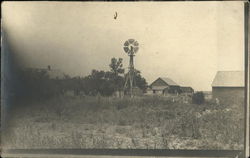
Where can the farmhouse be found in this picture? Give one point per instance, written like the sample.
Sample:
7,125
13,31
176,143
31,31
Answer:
164,85
228,87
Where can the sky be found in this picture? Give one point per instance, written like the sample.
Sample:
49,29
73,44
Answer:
185,41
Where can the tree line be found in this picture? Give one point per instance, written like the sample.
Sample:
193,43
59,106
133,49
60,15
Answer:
34,83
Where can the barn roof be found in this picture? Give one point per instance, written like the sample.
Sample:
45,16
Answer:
229,79
169,81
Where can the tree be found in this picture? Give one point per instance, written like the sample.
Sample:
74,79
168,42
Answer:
116,73
36,84
116,66
95,81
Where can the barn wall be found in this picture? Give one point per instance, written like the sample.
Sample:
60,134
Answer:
159,87
160,92
229,94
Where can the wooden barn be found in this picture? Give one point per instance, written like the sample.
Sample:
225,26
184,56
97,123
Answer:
228,87
164,85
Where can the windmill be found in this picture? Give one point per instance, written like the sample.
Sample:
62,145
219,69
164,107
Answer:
130,47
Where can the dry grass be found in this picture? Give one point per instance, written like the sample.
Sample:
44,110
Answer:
141,122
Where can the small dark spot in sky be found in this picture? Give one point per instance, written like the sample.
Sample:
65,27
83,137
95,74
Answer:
115,16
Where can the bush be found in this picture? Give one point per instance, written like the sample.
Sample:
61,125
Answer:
198,98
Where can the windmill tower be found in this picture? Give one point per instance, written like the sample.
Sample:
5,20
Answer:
131,47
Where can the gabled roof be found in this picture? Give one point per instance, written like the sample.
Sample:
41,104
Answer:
229,79
167,81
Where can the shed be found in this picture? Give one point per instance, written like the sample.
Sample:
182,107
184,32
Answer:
163,85
228,87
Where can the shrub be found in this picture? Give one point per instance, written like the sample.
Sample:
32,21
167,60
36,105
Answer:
198,98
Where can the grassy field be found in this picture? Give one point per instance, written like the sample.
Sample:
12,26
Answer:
147,122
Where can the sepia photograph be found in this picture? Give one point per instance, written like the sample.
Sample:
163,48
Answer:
123,75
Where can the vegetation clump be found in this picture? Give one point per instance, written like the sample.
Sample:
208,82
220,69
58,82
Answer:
198,98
